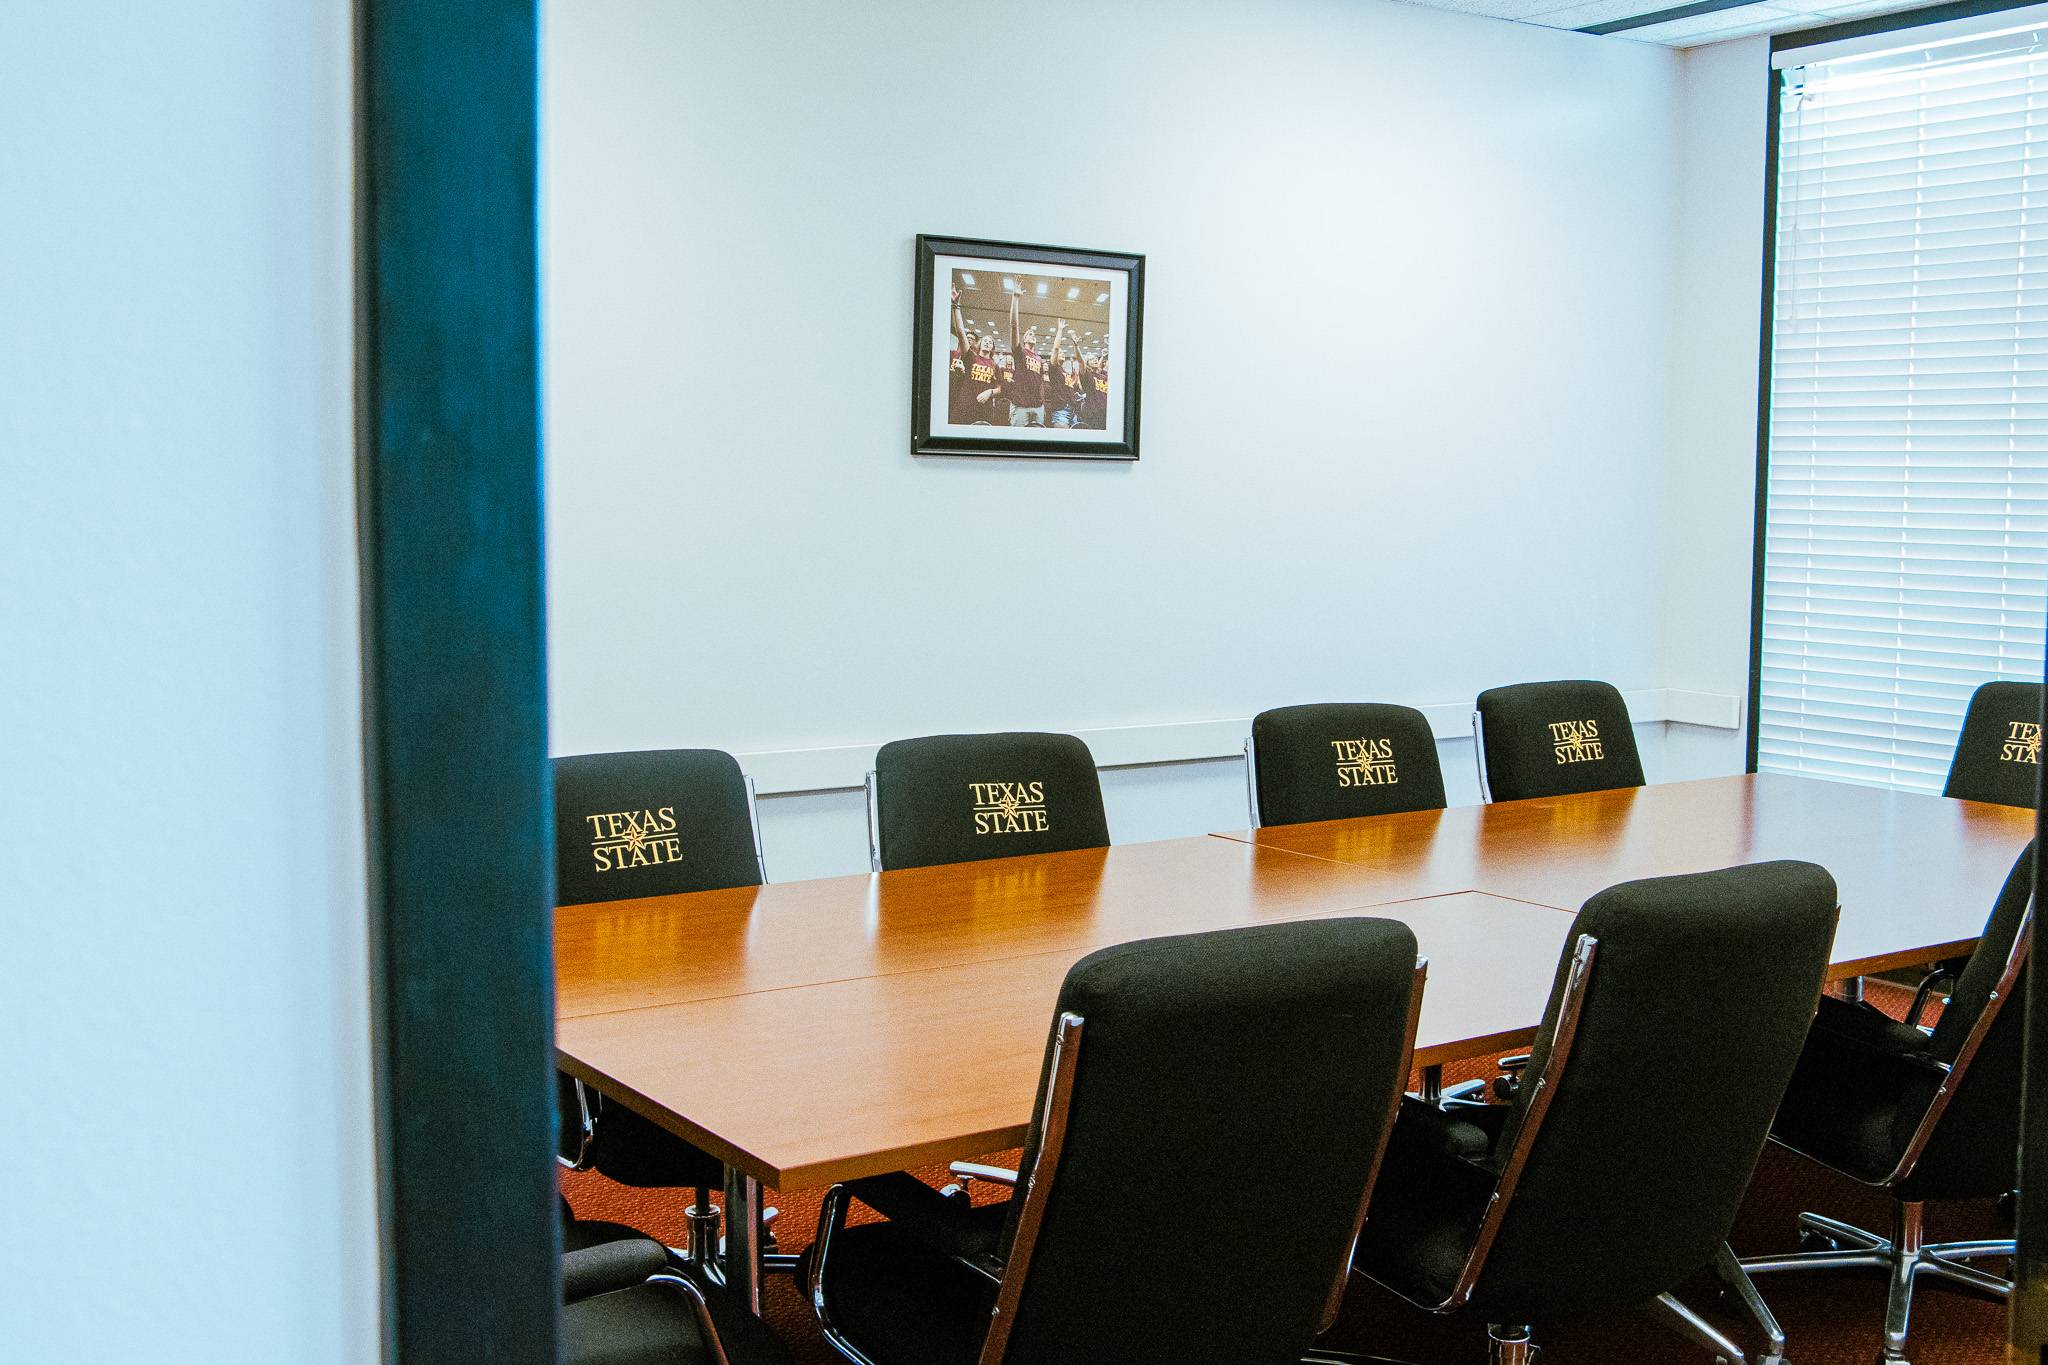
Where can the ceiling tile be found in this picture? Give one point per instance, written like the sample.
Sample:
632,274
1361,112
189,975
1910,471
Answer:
1729,23
1595,12
1767,16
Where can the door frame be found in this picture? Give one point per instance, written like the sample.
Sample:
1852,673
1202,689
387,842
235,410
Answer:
455,753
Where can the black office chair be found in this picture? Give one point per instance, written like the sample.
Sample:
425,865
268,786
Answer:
653,823
1997,759
1265,1061
1591,1192
1998,753
963,798
1919,1116
1340,760
1554,739
621,1305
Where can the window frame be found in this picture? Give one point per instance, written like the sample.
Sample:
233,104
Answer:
1766,307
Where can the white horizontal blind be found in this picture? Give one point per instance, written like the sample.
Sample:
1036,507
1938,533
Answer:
1906,513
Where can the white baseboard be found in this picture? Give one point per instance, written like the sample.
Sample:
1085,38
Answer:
786,771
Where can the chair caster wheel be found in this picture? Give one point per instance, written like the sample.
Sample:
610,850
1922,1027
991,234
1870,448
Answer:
1812,1240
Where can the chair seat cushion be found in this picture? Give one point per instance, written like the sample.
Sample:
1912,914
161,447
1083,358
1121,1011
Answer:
901,1301
633,1151
1428,1201
655,1324
1843,1105
581,1233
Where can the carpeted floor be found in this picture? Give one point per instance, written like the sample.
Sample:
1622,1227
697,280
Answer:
1830,1319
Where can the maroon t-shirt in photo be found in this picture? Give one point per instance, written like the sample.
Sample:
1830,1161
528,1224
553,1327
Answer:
1027,389
982,375
1073,390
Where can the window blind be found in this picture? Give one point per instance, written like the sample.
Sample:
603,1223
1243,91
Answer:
1906,498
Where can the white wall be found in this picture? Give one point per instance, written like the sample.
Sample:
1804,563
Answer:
1407,368
1709,512
182,982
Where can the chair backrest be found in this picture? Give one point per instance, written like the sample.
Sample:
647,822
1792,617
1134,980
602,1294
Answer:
1556,738
1636,1144
654,822
1971,1140
1998,753
1262,1065
962,798
1343,759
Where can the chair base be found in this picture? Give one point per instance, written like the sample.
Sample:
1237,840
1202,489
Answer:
704,1251
1511,1344
1903,1257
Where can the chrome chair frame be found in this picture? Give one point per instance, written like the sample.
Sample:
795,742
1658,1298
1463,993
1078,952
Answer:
874,825
754,819
1251,780
1511,1343
1923,995
1905,1256
713,1342
1479,756
586,1133
1037,1187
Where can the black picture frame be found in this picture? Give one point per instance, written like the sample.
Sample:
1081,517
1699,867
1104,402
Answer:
1042,443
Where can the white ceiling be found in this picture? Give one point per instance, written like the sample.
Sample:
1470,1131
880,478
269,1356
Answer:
1772,16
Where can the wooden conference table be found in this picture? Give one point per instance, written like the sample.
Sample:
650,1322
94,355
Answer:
811,1032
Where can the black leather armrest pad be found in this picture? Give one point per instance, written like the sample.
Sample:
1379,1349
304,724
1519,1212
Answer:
610,1265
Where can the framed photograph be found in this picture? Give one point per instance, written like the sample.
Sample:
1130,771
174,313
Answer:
1025,351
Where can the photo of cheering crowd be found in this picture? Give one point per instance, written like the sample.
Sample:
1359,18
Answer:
1029,351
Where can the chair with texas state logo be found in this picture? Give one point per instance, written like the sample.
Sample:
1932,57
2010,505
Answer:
1554,739
964,798
1341,761
657,822
1998,753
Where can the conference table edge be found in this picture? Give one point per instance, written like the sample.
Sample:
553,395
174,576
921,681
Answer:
805,1175
800,1175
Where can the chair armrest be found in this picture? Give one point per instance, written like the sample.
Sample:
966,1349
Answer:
578,1125
1940,974
994,1175
1865,1028
1880,1043
939,1220
609,1266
